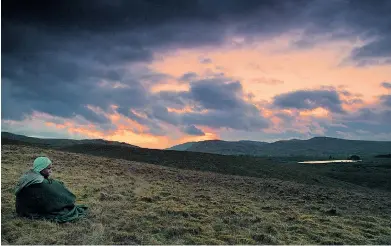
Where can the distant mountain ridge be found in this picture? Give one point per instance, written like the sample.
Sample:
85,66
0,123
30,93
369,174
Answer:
243,147
7,137
317,146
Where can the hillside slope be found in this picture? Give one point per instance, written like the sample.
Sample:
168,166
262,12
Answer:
372,172
227,148
12,138
182,147
324,146
314,147
139,203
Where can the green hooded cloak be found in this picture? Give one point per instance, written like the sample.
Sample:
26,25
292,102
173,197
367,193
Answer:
40,198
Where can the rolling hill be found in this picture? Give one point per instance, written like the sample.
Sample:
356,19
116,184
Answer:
182,147
314,147
226,147
7,137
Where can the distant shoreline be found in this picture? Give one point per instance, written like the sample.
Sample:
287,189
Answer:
325,162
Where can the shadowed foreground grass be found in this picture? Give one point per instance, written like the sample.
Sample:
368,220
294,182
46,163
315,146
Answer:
137,203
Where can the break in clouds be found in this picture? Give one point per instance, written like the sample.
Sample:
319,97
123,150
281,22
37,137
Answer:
65,58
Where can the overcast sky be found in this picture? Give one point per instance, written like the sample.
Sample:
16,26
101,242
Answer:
156,73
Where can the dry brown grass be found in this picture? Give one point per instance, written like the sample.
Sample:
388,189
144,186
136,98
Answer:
137,203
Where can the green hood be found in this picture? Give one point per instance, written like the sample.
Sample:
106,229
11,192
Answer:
29,178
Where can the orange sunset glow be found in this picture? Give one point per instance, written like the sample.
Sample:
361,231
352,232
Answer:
264,74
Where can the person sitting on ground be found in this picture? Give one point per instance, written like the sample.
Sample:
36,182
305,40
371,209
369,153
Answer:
39,197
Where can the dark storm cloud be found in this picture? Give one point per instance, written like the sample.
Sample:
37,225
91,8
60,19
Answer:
172,99
306,99
212,95
205,60
386,100
360,130
124,30
346,93
154,127
222,98
370,115
219,93
161,113
140,24
347,97
386,85
380,48
64,89
225,104
55,54
235,119
116,15
193,130
372,19
188,76
53,58
339,20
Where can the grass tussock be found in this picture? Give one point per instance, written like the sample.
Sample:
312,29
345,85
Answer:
138,203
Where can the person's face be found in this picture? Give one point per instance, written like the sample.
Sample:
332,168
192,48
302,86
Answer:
47,171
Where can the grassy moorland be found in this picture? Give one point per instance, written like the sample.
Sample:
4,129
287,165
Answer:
372,172
139,203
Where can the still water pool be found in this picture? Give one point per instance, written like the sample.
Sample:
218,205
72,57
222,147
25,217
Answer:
325,162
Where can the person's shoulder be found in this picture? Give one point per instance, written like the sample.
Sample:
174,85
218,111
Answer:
28,173
28,178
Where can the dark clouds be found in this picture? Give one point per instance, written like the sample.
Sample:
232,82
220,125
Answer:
365,123
193,130
379,49
58,57
224,101
217,103
53,93
130,29
235,119
372,116
386,100
108,16
306,99
341,20
161,113
205,60
214,95
188,76
386,85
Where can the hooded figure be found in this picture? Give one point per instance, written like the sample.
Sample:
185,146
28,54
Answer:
34,175
39,197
